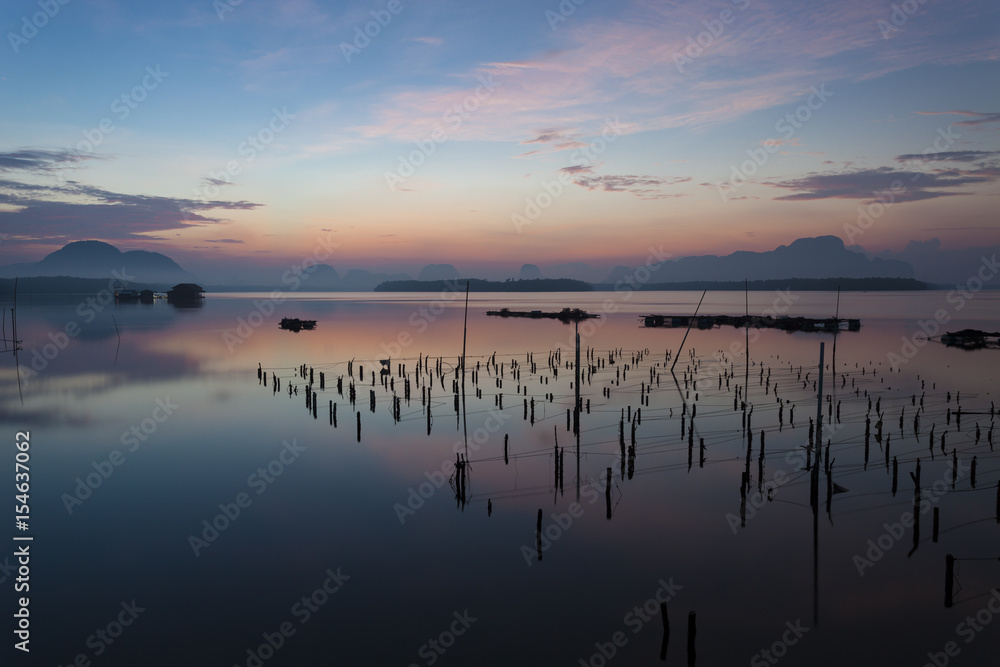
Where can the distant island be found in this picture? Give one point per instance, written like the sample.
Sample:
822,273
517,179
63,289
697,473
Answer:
568,285
68,285
796,284
820,263
479,285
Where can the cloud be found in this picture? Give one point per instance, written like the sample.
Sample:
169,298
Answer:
977,117
769,55
578,169
218,182
794,141
553,140
39,160
644,187
430,41
223,241
951,156
899,185
549,136
75,210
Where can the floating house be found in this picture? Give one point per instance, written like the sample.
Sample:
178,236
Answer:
185,292
295,324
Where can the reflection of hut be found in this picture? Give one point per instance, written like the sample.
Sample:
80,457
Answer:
146,296
185,292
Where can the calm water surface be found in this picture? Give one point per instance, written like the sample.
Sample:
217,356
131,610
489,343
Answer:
419,574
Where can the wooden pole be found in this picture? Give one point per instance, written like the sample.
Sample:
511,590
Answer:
692,631
949,580
538,534
666,631
819,394
465,329
607,493
746,303
690,322
576,404
13,333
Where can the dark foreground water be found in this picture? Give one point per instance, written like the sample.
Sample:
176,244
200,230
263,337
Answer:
184,514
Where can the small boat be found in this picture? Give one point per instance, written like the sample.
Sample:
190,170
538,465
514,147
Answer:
565,315
971,339
295,324
126,295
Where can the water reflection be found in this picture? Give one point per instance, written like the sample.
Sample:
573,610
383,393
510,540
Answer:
446,493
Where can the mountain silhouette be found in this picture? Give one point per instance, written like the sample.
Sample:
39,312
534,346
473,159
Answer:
438,272
96,259
818,257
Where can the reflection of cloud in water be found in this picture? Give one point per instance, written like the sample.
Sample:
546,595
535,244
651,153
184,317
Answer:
11,412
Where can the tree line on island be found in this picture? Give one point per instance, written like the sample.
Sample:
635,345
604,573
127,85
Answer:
569,285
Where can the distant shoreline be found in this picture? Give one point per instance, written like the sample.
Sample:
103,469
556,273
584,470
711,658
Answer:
68,285
797,284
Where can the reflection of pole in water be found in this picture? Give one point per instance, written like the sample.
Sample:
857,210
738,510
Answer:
692,631
949,580
690,322
814,487
538,534
576,411
666,631
607,493
746,301
916,509
465,330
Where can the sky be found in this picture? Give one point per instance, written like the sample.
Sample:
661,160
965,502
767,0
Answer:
240,137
